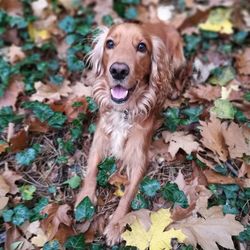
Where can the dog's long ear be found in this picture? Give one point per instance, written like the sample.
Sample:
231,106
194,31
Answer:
95,56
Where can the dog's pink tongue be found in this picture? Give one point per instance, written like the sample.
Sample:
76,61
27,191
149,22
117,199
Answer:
118,92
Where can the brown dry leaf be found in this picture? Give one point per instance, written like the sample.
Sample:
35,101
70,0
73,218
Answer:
10,95
57,215
243,62
118,178
10,178
63,233
180,140
13,7
19,141
40,239
159,148
51,92
215,178
3,147
213,139
203,93
15,54
73,112
80,90
37,126
4,189
97,226
210,228
235,140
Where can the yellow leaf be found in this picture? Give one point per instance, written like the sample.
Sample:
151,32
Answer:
38,35
155,238
218,21
118,192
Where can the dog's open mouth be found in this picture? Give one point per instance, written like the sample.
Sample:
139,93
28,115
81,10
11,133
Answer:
119,94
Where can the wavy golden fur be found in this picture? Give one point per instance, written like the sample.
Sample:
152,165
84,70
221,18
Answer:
134,66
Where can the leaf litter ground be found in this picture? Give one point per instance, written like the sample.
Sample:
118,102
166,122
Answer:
199,161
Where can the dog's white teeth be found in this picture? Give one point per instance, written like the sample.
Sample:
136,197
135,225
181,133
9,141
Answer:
118,92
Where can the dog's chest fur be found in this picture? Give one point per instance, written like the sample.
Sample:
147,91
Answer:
117,127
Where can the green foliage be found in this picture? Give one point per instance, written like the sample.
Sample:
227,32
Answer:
92,106
74,182
171,192
36,211
52,245
27,156
224,109
6,116
245,235
76,242
45,114
231,197
27,192
191,44
221,76
174,117
247,96
149,186
139,202
106,169
18,215
85,210
67,147
240,37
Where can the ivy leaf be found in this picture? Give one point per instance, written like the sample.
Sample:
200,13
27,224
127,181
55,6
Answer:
106,169
150,186
68,24
139,202
131,13
192,113
172,193
7,215
247,96
52,245
245,235
224,109
74,182
92,106
39,206
76,242
85,210
27,192
6,116
171,118
221,76
27,156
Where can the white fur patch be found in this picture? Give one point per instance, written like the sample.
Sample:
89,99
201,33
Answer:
117,127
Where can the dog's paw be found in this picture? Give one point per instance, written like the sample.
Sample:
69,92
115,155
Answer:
84,193
113,233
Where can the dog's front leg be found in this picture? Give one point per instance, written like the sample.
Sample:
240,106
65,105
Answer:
95,156
135,155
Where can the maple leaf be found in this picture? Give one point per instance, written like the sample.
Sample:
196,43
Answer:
51,92
10,95
212,137
39,7
155,238
209,228
15,54
4,189
57,215
10,178
180,140
38,35
235,140
203,93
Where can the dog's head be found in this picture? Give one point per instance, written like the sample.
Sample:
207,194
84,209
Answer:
134,65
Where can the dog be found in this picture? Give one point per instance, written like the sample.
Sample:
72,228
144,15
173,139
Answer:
134,65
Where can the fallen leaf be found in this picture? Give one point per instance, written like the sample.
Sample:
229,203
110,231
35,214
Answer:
13,7
40,239
243,62
155,238
4,189
211,227
19,141
10,95
235,140
57,214
180,140
10,178
218,21
3,147
80,90
37,126
15,54
51,92
212,137
38,35
203,93
223,109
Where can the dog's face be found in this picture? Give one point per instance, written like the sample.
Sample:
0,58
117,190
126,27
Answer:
126,61
133,66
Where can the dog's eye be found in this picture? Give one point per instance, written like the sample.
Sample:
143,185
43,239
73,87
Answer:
141,47
110,44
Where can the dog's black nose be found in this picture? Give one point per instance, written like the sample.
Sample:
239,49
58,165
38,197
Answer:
119,70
